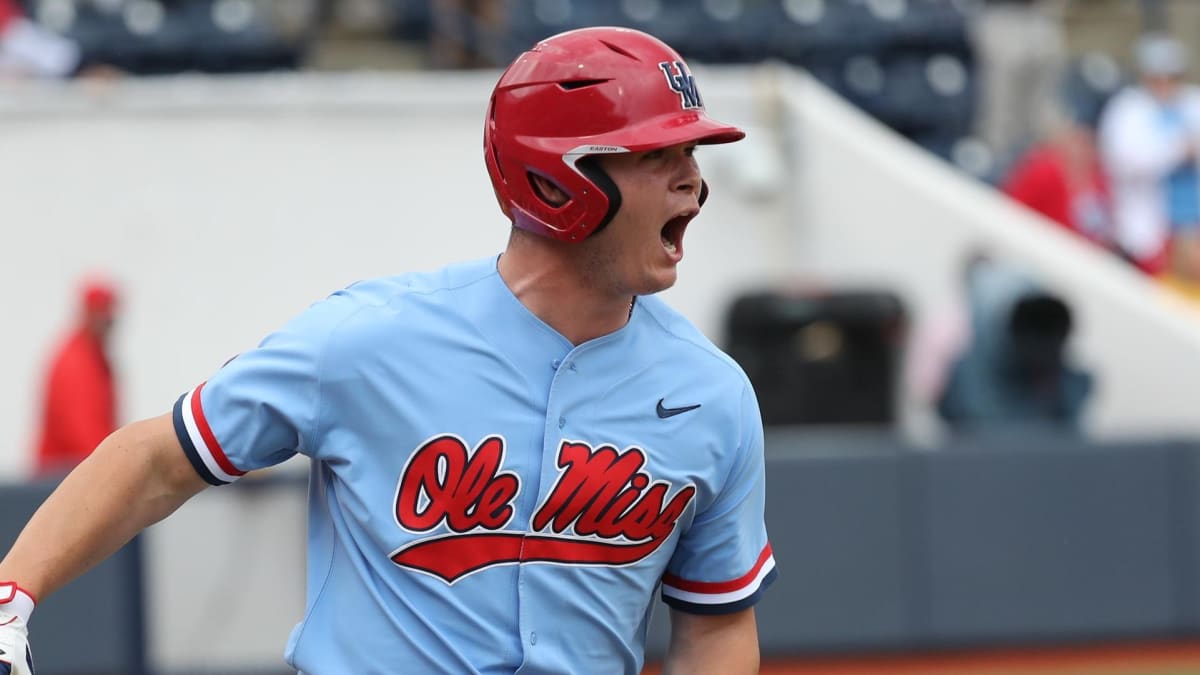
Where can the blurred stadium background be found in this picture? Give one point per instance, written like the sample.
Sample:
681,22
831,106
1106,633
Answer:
228,162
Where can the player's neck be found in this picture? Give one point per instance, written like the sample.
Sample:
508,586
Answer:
554,291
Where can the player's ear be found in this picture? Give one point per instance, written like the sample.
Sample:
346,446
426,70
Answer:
547,190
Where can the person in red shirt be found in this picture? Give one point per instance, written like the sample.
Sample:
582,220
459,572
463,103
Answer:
79,408
1062,179
9,11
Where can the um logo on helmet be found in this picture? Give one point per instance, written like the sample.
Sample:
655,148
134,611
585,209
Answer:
681,82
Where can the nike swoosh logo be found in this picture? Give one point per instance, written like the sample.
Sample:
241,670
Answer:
664,412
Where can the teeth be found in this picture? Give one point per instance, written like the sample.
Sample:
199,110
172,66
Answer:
669,245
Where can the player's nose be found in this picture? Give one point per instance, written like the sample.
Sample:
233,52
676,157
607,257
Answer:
688,176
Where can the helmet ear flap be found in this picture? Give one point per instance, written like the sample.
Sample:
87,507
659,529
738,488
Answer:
590,168
539,184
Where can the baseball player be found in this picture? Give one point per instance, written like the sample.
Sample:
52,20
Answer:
511,457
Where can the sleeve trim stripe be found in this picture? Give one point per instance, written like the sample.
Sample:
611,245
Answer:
710,598
189,448
727,608
210,439
202,437
710,587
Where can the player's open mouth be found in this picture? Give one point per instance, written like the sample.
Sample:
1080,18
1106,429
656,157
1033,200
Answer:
672,234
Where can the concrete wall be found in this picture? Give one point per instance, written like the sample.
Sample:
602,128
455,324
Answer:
225,206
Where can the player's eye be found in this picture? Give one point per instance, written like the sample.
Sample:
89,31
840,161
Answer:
654,154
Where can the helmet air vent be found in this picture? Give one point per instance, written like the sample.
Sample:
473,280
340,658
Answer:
579,84
619,49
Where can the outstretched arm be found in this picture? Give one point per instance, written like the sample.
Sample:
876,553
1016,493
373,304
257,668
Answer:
136,477
723,643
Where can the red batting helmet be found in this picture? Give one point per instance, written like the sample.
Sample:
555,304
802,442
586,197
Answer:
576,95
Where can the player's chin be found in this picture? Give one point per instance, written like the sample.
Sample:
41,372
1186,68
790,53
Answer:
660,279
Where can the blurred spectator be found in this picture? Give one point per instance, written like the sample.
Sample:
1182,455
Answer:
79,407
938,338
1148,139
468,34
28,50
1021,52
1062,179
1014,372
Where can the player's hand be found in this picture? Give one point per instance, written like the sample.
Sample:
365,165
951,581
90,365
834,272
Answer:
15,657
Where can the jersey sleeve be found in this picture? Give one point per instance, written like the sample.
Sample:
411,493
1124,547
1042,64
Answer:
723,563
261,407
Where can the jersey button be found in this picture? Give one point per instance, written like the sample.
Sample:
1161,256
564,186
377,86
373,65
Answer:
532,638
562,422
555,364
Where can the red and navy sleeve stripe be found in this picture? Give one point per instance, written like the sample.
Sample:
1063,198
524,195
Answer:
199,443
721,597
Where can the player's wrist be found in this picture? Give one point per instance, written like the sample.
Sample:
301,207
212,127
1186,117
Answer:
16,601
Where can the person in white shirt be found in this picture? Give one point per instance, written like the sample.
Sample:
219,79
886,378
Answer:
30,50
1148,137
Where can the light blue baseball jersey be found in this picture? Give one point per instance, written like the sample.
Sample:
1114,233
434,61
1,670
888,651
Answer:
486,497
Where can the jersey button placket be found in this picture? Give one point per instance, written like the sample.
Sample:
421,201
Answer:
550,444
562,420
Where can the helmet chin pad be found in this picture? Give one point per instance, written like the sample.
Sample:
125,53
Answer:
590,167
